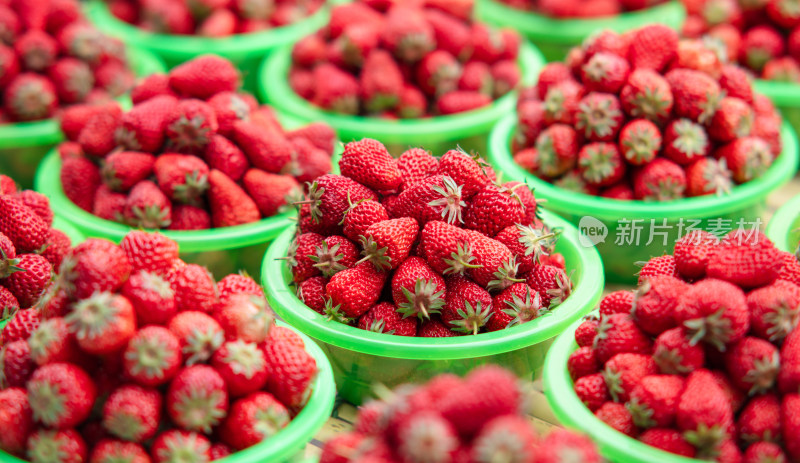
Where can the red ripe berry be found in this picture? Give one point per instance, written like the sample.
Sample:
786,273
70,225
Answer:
653,400
384,318
61,395
714,311
16,365
245,317
692,252
52,342
745,258
173,444
648,95
618,417
659,180
204,77
669,440
774,310
561,102
132,413
618,334
558,150
199,335
242,365
605,72
760,44
747,158
252,419
17,420
197,398
586,332
147,206
653,47
103,323
291,371
369,163
31,276
592,391
582,362
66,444
194,288
624,371
620,301
153,356
655,301
108,450
707,176
599,117
753,365
601,164
640,141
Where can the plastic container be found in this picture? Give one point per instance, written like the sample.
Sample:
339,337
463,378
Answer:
437,134
24,144
785,95
555,37
287,445
222,250
570,411
612,220
784,227
361,359
245,50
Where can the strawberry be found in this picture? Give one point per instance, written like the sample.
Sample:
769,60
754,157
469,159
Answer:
292,370
412,103
361,216
530,115
620,301
407,34
586,332
648,95
123,169
220,23
774,310
199,335
194,289
560,442
618,417
467,307
494,208
760,420
764,452
319,134
733,120
22,225
707,176
182,178
558,150
624,371
17,420
654,399
551,283
16,365
8,303
370,164
452,35
388,243
697,95
335,89
660,180
618,334
186,217
752,365
270,192
7,185
745,258
168,18
528,244
599,117
692,252
655,301
465,170
174,444
434,328
790,423
582,362
301,250
152,252
592,391
747,158
108,451
114,77
413,442
72,78
21,325
142,128
561,102
760,45
147,206
640,141
245,317
601,164
515,305
550,75
242,365
605,72
98,137
662,265
151,296
439,72
81,40
38,203
59,446
52,342
238,283
714,311
103,323
330,197
204,77
703,413
669,440
653,47
309,161
152,356
33,277
223,155
417,289
385,318
132,413
197,398
265,150
151,86
381,81
354,291
252,419
230,205
80,179
459,101
446,248
61,395
190,126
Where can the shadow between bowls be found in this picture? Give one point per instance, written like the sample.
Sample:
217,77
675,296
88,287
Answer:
613,220
784,227
572,413
291,440
361,359
555,37
436,134
24,144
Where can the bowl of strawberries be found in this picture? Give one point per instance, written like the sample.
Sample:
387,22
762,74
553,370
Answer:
403,73
640,141
698,363
241,30
556,26
134,354
784,226
52,59
426,265
194,157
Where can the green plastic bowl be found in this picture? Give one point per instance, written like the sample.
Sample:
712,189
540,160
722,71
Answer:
785,95
571,412
361,359
245,50
469,129
287,445
73,233
24,144
555,37
222,250
784,227
746,202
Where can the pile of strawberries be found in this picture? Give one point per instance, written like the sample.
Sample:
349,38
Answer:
212,18
405,60
645,116
424,246
581,8
703,359
192,153
30,249
51,58
478,419
761,35
137,356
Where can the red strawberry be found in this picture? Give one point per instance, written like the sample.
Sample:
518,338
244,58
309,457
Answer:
592,391
620,301
692,252
774,310
582,362
467,307
601,164
434,328
270,192
669,440
733,119
494,208
330,197
80,179
558,150
653,47
186,217
52,342
229,203
151,296
142,128
599,117
72,78
662,265
748,158
242,365
38,203
618,334
17,420
703,412
752,365
67,445
369,163
361,216
446,248
745,258
561,102
152,252
312,293
21,325
765,452
707,176
528,244
153,355
199,335
172,444
388,243
407,34
190,126
245,317
586,332
132,413
103,323
96,265
459,101
452,35
98,137
124,169
22,225
204,77
61,395
8,303
761,44
653,401
790,423
714,311
181,177
30,97
114,78
108,451
151,86
655,301
253,419
624,371
605,72
385,318
465,170
194,288
381,81
221,154
552,284
16,365
618,417
562,442
640,141
417,289
292,370
299,257
29,282
335,89
760,420
647,94
266,150
197,398
697,95
8,58
147,206
354,291
319,134
660,180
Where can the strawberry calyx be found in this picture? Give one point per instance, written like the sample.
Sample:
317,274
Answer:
714,329
460,260
523,311
500,446
335,313
554,103
691,139
670,362
665,189
710,106
151,216
46,445
127,139
374,254
379,326
183,448
427,438
90,317
192,189
450,201
244,358
47,401
32,101
201,345
199,408
613,380
327,259
758,160
314,200
642,414
472,318
125,425
717,177
763,374
8,266
597,116
706,440
424,301
537,241
640,146
650,104
782,320
270,420
572,181
149,357
600,163
549,164
505,276
42,339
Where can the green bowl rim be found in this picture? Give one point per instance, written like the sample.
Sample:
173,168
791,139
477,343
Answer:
300,430
181,47
588,290
273,87
782,94
48,131
558,199
75,235
780,228
572,31
571,412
